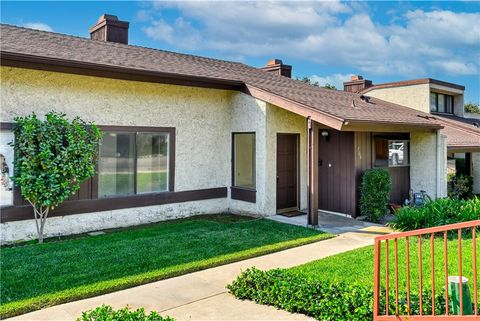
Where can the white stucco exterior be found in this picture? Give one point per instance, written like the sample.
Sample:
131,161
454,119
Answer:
414,96
418,96
428,163
476,172
204,120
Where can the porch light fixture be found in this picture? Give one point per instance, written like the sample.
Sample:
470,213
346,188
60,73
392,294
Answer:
324,133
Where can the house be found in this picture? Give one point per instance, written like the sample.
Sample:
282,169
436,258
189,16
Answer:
445,102
186,135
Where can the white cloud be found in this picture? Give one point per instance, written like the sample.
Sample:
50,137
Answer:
335,79
329,33
38,26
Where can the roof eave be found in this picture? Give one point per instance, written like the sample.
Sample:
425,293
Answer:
101,70
316,115
388,126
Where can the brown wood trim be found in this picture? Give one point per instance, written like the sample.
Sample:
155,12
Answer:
18,213
100,70
379,126
243,194
295,107
6,126
233,155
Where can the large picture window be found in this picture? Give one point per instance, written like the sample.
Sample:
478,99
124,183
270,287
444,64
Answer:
244,160
391,153
441,103
134,163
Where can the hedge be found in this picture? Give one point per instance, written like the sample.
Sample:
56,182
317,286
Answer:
326,301
107,313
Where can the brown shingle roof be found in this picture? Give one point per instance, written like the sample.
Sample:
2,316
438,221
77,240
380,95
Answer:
339,106
460,132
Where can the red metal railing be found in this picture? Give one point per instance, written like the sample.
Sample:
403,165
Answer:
382,308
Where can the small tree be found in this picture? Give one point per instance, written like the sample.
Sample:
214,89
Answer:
375,193
52,158
472,108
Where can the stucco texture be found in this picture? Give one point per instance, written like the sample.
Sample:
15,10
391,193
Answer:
425,172
476,172
415,96
204,120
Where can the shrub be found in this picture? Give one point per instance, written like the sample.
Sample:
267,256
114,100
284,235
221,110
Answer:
435,213
107,313
52,158
326,301
375,193
460,187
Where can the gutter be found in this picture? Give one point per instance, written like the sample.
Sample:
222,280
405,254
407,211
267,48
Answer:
19,60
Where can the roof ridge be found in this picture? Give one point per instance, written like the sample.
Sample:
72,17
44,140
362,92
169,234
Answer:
116,44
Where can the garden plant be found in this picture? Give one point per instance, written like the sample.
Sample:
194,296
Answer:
52,158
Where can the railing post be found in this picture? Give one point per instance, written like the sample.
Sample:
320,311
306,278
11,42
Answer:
376,280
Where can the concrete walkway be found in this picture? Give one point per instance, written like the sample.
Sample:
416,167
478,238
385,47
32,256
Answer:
327,222
202,295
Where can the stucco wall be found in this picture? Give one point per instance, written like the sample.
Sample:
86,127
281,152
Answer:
201,116
250,115
82,223
282,121
414,96
425,172
476,172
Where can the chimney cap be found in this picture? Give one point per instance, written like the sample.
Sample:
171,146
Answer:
356,77
107,16
274,62
111,20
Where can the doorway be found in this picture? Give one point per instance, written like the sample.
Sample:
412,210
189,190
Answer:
287,171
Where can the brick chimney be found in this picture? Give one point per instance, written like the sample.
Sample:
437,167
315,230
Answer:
109,28
276,66
356,84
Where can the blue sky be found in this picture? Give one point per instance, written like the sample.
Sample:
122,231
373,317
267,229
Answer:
327,41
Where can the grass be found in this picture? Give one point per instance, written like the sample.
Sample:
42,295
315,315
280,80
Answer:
34,276
357,265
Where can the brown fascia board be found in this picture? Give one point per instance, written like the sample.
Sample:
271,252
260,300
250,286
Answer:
383,126
319,116
413,82
99,70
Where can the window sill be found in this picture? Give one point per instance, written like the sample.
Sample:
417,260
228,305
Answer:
243,194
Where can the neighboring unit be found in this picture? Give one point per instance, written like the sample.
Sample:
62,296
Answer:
445,102
186,135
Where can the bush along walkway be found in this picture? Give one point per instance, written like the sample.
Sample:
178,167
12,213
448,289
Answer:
202,295
340,287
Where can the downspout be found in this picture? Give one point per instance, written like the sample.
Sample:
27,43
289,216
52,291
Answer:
310,219
438,190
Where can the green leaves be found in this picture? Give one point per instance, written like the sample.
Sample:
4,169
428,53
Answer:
323,300
107,313
375,193
53,157
435,213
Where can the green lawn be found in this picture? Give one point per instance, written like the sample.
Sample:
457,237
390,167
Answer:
35,276
357,265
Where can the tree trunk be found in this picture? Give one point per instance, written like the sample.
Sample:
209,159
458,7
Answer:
41,214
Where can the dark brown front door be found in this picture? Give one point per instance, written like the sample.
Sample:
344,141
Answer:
287,171
336,172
